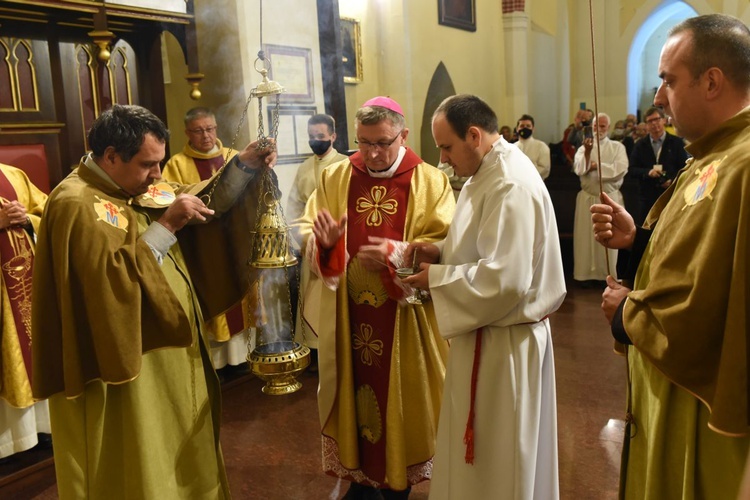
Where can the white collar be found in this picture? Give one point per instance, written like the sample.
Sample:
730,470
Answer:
387,174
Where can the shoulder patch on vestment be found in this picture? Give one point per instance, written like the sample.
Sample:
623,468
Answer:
162,194
702,187
111,214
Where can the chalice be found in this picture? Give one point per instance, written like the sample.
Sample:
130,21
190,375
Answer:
417,296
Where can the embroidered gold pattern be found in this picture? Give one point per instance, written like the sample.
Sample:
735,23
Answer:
18,267
377,206
369,421
370,349
363,286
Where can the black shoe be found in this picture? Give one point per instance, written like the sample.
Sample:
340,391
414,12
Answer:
238,370
362,492
313,368
44,441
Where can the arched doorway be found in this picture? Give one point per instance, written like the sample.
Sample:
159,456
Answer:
441,86
643,60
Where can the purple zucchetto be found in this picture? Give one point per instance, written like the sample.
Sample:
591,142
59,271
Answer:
385,102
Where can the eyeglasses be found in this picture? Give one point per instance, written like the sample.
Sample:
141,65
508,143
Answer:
201,131
654,120
382,146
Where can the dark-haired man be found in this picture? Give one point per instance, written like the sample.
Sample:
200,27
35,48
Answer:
121,288
494,279
507,133
536,150
321,130
684,324
655,161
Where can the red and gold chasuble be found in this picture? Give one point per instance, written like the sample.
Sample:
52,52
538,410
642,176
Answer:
16,262
376,207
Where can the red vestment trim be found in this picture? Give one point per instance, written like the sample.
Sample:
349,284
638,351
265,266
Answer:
469,434
332,262
208,166
410,161
16,260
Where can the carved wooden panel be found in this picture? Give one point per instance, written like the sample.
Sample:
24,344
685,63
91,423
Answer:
28,99
7,81
27,102
32,159
18,77
123,69
52,85
88,100
95,85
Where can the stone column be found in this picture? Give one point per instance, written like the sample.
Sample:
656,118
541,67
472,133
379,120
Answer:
516,31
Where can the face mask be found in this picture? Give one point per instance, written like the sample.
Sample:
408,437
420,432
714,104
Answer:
618,132
525,133
319,147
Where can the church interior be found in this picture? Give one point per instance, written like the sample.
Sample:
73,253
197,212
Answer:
63,62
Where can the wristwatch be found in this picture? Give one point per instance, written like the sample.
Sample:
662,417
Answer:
244,167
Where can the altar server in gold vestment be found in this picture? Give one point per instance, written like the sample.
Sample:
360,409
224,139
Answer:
21,206
683,322
381,360
127,268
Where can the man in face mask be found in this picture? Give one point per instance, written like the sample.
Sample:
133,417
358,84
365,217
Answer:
322,132
321,129
536,150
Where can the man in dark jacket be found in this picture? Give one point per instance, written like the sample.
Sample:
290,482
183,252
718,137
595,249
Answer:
655,161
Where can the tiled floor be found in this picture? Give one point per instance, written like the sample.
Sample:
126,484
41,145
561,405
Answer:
272,448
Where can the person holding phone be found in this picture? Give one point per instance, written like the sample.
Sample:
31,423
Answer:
655,161
589,262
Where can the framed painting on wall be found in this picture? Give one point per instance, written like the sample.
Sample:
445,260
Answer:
292,144
461,14
291,67
351,43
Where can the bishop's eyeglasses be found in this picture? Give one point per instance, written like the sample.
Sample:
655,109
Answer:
381,145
